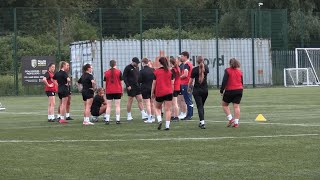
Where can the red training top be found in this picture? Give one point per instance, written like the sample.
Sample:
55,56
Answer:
49,75
234,80
177,79
163,85
113,81
188,65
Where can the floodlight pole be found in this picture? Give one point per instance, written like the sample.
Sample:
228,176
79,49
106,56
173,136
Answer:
260,4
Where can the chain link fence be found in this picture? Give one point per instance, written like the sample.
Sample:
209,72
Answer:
260,39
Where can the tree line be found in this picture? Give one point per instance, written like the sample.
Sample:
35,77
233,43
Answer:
42,24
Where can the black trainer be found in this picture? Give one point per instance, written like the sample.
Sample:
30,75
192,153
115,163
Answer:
106,122
69,118
176,119
202,126
118,122
187,118
166,129
51,120
160,125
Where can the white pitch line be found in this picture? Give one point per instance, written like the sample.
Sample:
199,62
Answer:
264,123
55,125
156,139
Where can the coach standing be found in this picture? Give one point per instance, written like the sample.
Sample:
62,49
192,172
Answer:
186,70
130,77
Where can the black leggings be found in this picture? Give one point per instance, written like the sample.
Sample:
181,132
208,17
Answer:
200,96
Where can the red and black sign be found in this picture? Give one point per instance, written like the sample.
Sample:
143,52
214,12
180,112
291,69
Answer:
34,68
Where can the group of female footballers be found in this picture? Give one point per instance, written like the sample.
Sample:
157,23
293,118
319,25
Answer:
167,89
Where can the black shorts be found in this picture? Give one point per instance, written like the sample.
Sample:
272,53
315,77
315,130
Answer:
87,94
113,96
146,93
95,111
176,93
164,98
63,94
63,91
233,96
50,93
134,91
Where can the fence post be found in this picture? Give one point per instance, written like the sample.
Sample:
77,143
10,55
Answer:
286,28
15,51
141,53
59,34
252,40
217,45
101,41
179,29
302,28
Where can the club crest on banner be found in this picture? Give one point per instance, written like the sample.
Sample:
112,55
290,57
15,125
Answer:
34,63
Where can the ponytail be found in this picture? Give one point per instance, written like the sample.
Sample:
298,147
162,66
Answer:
112,65
201,68
62,64
164,62
175,65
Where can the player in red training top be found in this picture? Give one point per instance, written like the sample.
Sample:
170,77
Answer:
113,78
162,87
176,88
231,89
51,88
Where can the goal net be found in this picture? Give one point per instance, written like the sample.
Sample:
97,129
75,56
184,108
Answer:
308,58
1,107
299,77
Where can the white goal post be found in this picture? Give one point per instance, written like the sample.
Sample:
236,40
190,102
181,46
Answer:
306,70
1,107
308,58
299,77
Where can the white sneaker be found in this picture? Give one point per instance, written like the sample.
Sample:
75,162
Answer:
87,123
129,118
153,119
95,119
144,116
148,121
182,115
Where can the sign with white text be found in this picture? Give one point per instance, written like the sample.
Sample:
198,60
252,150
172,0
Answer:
34,68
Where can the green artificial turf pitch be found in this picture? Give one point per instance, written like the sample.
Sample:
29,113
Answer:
286,146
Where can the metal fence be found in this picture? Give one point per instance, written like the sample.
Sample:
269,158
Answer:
50,31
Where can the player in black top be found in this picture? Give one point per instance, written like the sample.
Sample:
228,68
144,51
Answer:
200,88
88,86
145,79
99,104
63,92
130,78
68,117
